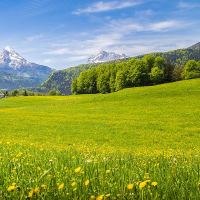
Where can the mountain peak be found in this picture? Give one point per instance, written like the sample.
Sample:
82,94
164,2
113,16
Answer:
195,46
9,49
10,58
104,56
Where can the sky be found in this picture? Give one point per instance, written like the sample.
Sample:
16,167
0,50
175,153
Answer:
65,33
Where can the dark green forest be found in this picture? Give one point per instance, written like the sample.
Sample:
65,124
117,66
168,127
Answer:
61,80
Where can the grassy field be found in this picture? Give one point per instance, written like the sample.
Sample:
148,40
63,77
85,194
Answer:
139,143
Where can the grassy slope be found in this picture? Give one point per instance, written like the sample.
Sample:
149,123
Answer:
152,118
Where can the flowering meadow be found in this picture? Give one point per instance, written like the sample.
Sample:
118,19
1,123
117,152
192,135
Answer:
139,143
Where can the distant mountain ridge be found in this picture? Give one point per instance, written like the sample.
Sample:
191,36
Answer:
104,56
61,80
16,72
196,46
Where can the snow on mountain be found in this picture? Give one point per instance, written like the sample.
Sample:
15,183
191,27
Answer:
9,58
11,61
23,73
104,56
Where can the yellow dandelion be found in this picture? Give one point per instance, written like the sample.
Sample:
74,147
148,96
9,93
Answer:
37,189
30,194
11,188
67,194
13,184
87,182
147,181
107,195
100,197
73,184
107,171
38,168
130,186
43,186
77,170
142,185
61,186
154,184
93,197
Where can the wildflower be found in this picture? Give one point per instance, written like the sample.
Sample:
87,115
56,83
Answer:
73,184
147,181
142,185
30,194
154,184
130,186
107,171
87,182
38,168
107,195
43,186
93,197
100,197
11,188
61,186
67,194
37,189
77,170
13,184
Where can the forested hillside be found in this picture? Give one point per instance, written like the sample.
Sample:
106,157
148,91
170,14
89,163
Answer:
61,80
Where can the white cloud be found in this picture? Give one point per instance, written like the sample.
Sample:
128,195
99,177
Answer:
34,37
187,6
48,61
107,6
58,51
130,25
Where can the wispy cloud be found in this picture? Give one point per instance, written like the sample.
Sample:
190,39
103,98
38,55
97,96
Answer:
107,6
163,26
187,6
114,38
35,37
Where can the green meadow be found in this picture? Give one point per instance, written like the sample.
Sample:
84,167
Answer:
138,143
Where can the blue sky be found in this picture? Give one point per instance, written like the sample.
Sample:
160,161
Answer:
64,33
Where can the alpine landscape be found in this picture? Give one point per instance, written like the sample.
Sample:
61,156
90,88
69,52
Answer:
110,110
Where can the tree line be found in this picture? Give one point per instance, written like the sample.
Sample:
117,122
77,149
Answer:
15,93
151,70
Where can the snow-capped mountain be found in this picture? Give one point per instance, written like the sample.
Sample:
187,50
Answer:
9,58
15,66
104,56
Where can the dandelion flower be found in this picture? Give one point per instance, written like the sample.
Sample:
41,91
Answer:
154,184
73,184
100,197
30,194
11,188
107,195
93,197
37,189
107,171
130,186
77,170
87,182
43,186
142,185
61,186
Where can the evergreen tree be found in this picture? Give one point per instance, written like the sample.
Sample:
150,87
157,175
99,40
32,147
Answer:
168,71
